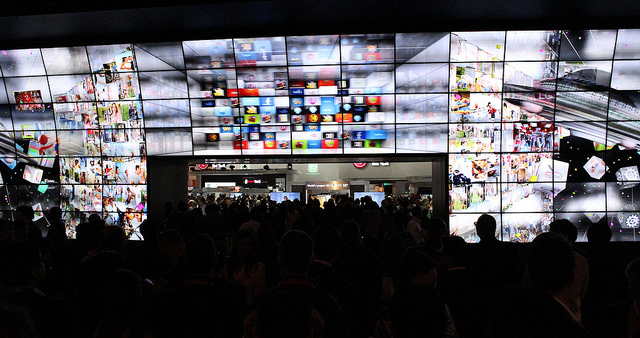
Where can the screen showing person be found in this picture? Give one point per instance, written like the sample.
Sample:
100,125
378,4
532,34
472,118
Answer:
280,197
376,196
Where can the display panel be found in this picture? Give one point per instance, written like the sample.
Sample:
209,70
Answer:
159,56
532,45
367,48
21,62
429,138
421,78
531,121
462,225
280,197
266,51
578,45
163,85
477,46
69,60
313,50
376,196
422,47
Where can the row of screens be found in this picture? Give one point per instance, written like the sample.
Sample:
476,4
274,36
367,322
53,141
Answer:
477,77
299,87
494,197
41,146
123,205
327,110
583,181
550,45
524,227
73,170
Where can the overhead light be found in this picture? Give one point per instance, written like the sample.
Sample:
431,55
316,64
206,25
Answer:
245,167
266,167
232,167
289,166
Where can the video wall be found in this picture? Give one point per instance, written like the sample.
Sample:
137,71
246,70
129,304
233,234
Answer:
543,124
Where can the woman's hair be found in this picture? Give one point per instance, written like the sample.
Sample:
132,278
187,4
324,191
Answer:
253,258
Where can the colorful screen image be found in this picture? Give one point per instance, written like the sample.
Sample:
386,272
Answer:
32,174
29,100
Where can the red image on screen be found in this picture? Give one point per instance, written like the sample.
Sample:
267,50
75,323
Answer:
29,100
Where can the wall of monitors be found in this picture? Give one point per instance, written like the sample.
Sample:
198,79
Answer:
544,124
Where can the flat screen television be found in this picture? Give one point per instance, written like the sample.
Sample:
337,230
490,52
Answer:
376,196
284,196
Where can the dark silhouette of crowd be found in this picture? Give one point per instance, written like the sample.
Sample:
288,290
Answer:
251,267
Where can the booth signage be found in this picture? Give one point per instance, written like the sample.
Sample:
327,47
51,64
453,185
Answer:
329,185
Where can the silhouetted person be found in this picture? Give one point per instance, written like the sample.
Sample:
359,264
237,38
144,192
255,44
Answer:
244,266
284,316
253,223
459,290
326,241
436,230
168,212
182,221
19,230
395,242
269,254
416,310
370,222
125,310
415,225
494,262
146,255
362,268
57,233
549,270
25,214
573,294
201,307
415,267
606,269
295,254
120,325
123,293
619,319
16,323
94,271
88,237
96,219
171,246
215,225
6,233
24,272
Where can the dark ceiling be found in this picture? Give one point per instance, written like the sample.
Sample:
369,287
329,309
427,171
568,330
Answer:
73,22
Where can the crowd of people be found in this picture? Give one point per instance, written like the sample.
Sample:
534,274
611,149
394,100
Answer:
223,267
